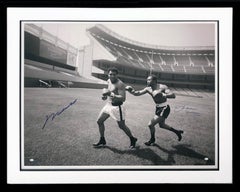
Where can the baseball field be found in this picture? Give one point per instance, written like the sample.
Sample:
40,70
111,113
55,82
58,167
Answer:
59,127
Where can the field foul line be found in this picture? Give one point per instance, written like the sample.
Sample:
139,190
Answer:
188,95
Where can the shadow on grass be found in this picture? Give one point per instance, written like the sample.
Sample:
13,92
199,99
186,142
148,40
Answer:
150,155
184,150
146,154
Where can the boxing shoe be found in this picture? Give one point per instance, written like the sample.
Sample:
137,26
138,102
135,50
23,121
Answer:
150,142
101,143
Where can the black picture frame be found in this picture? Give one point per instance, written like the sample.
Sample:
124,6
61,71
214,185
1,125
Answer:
172,3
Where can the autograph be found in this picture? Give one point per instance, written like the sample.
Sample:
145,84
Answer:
53,115
187,109
184,107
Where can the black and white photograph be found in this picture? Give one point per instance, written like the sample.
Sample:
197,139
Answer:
82,82
120,95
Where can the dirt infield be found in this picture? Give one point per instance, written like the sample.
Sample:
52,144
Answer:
70,114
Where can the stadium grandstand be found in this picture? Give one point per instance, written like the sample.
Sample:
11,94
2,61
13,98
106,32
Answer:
49,61
185,67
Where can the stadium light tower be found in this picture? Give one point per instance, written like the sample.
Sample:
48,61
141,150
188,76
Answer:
150,72
151,62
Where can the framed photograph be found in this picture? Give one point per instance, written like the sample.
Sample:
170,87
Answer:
137,93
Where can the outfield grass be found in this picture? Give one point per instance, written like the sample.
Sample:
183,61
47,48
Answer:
67,139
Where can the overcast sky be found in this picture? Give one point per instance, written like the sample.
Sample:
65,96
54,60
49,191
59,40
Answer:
162,34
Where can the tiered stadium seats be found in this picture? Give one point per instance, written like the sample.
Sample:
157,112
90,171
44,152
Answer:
157,67
194,70
209,70
199,60
168,59
179,69
182,60
173,66
167,68
211,61
156,58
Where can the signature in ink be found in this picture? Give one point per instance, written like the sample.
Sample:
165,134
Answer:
184,107
187,109
53,115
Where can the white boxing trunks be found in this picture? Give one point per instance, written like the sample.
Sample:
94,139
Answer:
116,112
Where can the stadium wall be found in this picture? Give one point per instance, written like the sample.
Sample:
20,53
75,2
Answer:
135,76
41,46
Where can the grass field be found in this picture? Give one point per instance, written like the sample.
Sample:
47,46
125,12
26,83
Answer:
67,139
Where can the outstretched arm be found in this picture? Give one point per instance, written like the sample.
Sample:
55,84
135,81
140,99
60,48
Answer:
169,95
136,93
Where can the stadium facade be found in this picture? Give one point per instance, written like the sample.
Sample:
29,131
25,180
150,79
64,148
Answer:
51,62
